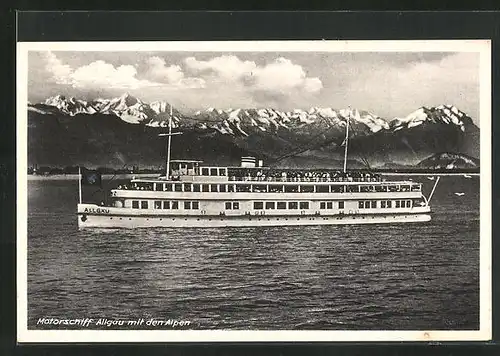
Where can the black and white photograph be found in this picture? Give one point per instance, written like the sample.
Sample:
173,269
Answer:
254,191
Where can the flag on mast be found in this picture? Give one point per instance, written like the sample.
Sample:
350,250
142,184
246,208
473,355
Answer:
91,177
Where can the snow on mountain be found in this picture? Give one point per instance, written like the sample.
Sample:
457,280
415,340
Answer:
243,122
70,106
129,109
233,115
374,122
230,121
160,106
444,114
449,160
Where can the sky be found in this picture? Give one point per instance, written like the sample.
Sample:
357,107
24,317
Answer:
388,84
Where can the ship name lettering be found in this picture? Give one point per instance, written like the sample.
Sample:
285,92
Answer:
96,211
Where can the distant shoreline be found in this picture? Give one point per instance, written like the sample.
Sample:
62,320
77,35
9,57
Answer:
154,175
75,176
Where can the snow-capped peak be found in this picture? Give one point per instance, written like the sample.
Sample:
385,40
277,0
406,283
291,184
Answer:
446,114
160,106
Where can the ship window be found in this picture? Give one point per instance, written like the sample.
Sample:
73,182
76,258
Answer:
213,187
258,205
398,203
175,205
168,187
205,187
166,205
222,171
204,171
228,205
270,205
275,188
361,204
281,205
322,189
415,188
341,205
322,205
196,205
291,189
405,188
178,187
380,188
337,188
187,187
389,203
383,204
187,205
261,188
304,205
307,188
393,188
135,204
408,203
293,205
329,205
236,205
157,204
144,204
353,188
196,187
374,204
159,187
222,188
242,187
213,171
230,188
365,188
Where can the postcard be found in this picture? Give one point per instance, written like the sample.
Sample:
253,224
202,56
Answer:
254,191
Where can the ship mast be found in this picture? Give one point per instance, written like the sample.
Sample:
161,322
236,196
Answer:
169,145
169,142
346,141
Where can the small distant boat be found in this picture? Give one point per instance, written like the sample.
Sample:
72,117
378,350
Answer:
459,194
467,176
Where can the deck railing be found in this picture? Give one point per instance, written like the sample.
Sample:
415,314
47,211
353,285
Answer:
304,179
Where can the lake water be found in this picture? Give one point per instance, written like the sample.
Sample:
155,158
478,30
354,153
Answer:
365,277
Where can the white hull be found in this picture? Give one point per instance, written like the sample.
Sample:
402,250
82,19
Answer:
127,221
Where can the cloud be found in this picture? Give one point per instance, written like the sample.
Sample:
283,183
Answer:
95,75
228,67
281,75
58,71
100,73
158,71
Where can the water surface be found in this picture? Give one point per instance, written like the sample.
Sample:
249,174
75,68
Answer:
364,277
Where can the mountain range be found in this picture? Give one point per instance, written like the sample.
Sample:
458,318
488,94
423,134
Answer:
125,129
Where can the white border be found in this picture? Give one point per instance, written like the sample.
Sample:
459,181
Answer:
484,333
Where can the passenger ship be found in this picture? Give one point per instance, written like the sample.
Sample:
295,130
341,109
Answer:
190,194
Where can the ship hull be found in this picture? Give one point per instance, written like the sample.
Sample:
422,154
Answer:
104,219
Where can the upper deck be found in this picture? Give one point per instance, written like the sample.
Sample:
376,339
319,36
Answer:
189,176
191,171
